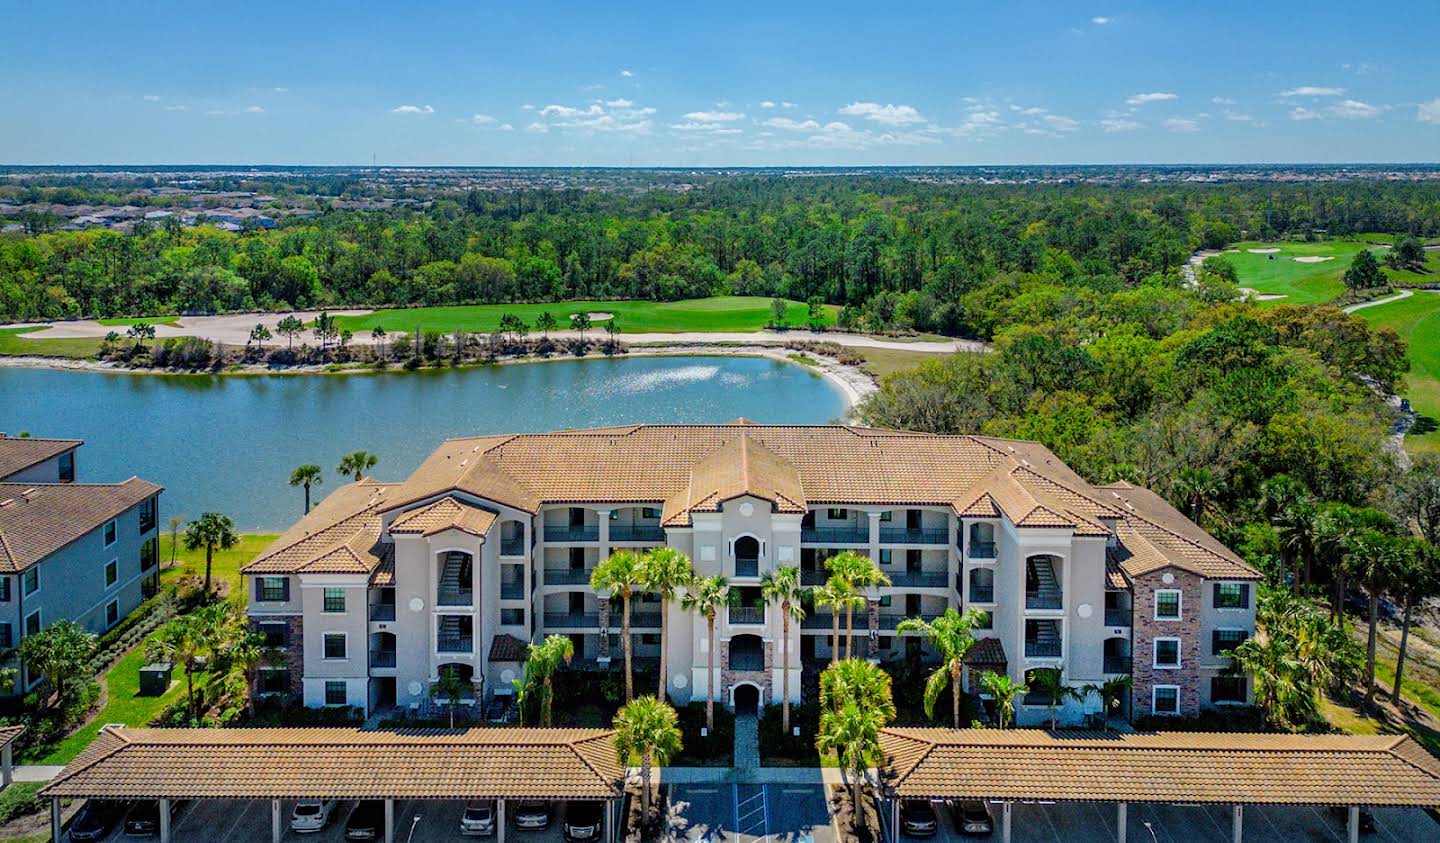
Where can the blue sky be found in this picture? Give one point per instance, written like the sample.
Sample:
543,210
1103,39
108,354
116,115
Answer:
804,83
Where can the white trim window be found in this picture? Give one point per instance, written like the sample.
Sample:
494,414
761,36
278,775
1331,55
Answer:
112,613
112,532
30,580
1169,604
1167,654
1165,700
335,646
333,600
337,692
112,573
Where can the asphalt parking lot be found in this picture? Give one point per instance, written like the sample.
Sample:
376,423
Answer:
228,821
747,813
1084,823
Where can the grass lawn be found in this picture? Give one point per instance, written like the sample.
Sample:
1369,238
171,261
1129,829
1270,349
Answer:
226,565
12,345
721,313
1278,273
135,320
884,361
1417,320
1408,278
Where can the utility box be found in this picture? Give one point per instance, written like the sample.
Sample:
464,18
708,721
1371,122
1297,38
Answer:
155,678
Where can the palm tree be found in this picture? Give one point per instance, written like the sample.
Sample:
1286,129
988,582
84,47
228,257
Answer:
541,663
618,576
1194,488
1299,526
856,572
1004,690
835,596
1111,694
857,681
178,641
59,651
950,635
782,587
210,531
1375,561
664,571
650,729
356,463
706,595
450,687
856,703
1050,682
1274,673
307,475
1418,583
245,655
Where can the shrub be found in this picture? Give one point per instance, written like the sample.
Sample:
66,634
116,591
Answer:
712,750
779,747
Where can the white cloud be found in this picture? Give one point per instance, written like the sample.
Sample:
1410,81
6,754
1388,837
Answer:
1428,112
1060,123
1183,125
151,98
1238,118
537,127
889,114
412,109
767,104
710,128
714,116
176,107
1222,100
619,103
488,122
254,109
790,125
1300,112
1119,124
1157,96
1099,20
1312,91
281,90
482,119
215,112
610,116
1354,110
627,74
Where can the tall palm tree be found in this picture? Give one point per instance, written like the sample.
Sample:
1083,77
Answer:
211,531
1299,526
1111,693
1194,489
541,662
245,653
836,596
853,734
1004,690
618,576
178,641
356,463
1418,583
950,635
1339,524
782,587
665,571
706,596
856,571
857,681
307,475
1050,682
648,728
1376,561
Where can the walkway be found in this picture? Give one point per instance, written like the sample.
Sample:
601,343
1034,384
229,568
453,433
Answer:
747,742
1403,294
37,772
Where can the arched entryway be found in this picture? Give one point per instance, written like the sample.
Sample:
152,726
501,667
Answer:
747,699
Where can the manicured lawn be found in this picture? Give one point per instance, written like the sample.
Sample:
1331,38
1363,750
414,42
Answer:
721,313
1417,320
1408,277
227,563
135,320
12,345
1278,273
885,361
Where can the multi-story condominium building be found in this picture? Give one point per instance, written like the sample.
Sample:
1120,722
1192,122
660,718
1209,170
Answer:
491,542
87,552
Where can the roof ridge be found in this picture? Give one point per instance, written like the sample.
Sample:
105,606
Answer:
68,773
1162,528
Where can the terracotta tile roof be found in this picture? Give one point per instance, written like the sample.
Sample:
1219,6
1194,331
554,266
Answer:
339,536
1155,535
739,466
306,763
384,574
18,453
445,514
37,519
9,733
508,648
1114,577
986,652
1205,767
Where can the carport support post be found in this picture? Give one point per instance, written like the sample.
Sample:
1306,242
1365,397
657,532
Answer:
499,821
1352,824
1121,809
1005,820
1237,824
609,821
55,819
389,821
164,821
274,821
6,766
895,818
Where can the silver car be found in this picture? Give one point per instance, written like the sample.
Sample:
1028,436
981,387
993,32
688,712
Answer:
478,820
532,815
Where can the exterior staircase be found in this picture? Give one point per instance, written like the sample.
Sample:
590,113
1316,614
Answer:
1042,589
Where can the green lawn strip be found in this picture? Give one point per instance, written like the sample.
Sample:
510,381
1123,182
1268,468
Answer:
226,565
125,322
1278,273
1417,320
13,345
720,313
1411,278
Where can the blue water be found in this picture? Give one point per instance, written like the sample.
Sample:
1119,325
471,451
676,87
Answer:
228,444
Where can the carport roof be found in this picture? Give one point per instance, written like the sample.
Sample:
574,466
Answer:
340,763
1189,767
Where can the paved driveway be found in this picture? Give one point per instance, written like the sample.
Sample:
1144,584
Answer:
749,813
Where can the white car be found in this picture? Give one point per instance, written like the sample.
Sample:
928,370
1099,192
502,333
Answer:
478,821
311,815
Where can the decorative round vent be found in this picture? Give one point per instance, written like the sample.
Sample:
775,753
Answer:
414,688
1084,610
417,605
507,676
679,681
747,509
1167,578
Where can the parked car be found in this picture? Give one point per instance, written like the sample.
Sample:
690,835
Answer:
311,815
478,820
143,818
367,821
532,815
584,821
1367,819
972,816
918,818
95,820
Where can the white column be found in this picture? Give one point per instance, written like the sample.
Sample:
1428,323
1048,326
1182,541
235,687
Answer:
1005,809
499,821
275,821
164,821
1121,810
1352,824
895,818
7,766
1237,824
389,821
55,831
609,821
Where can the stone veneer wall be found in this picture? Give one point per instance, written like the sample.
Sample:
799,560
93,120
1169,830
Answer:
761,678
1146,629
293,656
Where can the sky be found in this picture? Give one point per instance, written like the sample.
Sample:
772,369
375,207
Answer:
718,84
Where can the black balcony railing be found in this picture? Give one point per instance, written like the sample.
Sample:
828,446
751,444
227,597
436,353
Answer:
746,614
889,622
382,611
982,593
567,576
747,661
821,620
982,550
747,567
450,595
637,533
514,546
904,535
639,620
384,658
834,535
1118,664
454,644
572,534
1047,599
512,590
575,620
1117,617
1042,648
813,577
920,579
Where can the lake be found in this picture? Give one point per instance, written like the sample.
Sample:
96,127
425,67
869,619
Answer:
228,443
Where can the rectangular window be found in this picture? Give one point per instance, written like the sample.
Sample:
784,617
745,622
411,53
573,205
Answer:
512,617
148,512
109,533
1227,689
112,572
885,601
335,693
334,645
32,623
4,589
272,589
273,680
277,635
1225,640
30,581
149,553
1167,652
334,600
837,514
887,516
886,557
1167,604
650,512
1232,595
112,613
1165,699
67,467
7,636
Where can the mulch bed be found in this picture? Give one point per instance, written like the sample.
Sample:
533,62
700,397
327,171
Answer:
653,826
866,831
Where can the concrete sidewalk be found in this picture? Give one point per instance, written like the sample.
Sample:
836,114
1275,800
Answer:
36,772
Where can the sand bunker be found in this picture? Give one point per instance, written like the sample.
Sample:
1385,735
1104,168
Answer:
597,316
1252,293
1262,251
1315,258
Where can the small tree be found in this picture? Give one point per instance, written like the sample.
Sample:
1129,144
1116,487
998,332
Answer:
580,323
178,641
1050,682
139,332
1364,272
59,651
815,312
450,688
546,323
541,662
356,463
259,335
377,336
211,531
307,475
174,524
650,729
778,311
291,327
950,635
1003,690
1111,693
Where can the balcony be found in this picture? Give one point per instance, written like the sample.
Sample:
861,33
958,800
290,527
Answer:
835,535
1042,640
514,546
821,620
567,576
382,611
573,620
813,577
747,567
982,593
572,534
1118,664
1042,588
982,550
450,594
904,535
1117,617
887,623
637,533
512,590
638,620
920,579
385,658
454,643
746,615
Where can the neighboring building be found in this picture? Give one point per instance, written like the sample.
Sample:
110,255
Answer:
88,552
490,545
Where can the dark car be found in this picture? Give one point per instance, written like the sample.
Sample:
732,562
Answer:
532,816
918,818
367,821
972,816
96,819
1367,819
584,821
143,820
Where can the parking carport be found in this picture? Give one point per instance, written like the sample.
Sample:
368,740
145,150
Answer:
1228,769
503,764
